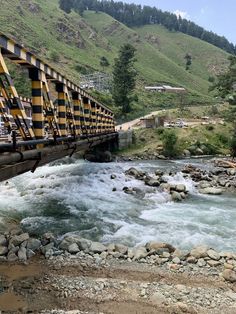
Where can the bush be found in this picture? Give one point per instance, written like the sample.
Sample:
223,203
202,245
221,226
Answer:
54,56
233,146
160,130
210,127
170,146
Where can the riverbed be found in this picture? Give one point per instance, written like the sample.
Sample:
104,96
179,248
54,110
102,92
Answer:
77,196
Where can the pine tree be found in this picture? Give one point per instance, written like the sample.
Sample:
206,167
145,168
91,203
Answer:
124,78
104,62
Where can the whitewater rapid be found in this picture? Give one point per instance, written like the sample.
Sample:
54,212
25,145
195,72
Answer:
77,196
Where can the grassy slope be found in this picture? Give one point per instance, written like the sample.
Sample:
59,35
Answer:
41,26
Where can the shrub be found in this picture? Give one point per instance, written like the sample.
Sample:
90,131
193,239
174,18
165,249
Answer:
169,140
210,127
54,56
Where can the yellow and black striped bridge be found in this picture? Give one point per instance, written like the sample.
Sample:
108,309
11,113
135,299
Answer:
43,128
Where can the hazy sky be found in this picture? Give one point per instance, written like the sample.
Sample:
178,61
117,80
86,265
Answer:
214,15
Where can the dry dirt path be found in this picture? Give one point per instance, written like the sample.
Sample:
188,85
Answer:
72,285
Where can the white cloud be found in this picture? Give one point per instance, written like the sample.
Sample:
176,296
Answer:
182,14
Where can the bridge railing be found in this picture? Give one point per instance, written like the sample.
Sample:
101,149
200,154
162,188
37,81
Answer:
74,114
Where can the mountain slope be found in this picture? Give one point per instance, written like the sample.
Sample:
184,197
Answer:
46,30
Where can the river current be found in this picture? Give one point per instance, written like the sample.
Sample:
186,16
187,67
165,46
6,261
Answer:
75,196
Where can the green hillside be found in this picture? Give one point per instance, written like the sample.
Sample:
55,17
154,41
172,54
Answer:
80,42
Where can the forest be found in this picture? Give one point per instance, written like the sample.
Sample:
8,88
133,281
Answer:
134,15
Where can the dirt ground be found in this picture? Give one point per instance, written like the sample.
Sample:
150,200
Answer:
43,286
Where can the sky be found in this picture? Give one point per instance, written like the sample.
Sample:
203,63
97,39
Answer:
214,15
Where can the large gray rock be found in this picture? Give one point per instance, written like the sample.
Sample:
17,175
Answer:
12,257
152,182
3,240
211,191
97,247
84,244
176,196
73,248
22,254
153,246
134,172
47,247
180,188
121,248
139,252
3,250
213,255
200,251
18,239
229,275
33,244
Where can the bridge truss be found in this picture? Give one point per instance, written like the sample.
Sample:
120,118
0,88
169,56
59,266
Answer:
76,118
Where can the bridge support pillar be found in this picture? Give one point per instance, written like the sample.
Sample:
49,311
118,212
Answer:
77,107
60,88
37,103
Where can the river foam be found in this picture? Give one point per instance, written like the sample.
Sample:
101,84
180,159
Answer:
76,196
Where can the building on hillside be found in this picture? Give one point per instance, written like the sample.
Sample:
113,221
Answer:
166,88
153,122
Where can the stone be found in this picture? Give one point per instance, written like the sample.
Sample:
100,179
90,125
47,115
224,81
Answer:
33,244
152,182
153,245
213,263
199,251
18,239
73,248
166,254
139,252
134,172
176,197
12,257
30,253
211,191
97,247
191,260
231,295
3,250
180,188
229,275
130,253
84,244
213,254
201,262
113,176
47,247
181,254
157,298
47,238
111,247
176,260
121,248
3,240
228,266
22,254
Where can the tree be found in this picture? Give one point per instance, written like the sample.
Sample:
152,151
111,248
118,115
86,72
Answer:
169,141
104,62
124,78
226,87
188,59
66,5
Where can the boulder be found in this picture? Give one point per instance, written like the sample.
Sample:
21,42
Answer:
12,257
73,248
3,240
113,176
180,188
200,251
213,255
176,260
182,255
30,253
154,246
22,254
18,239
33,244
97,247
213,263
229,275
3,250
121,248
152,182
211,191
47,247
176,197
139,252
135,173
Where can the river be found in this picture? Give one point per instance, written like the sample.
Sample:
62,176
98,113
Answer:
76,196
